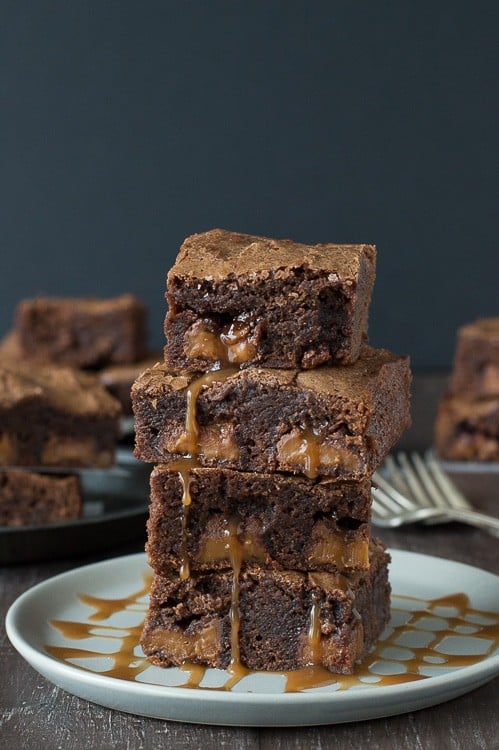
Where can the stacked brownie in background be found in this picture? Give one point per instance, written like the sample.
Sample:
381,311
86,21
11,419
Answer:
50,418
107,337
467,425
52,414
266,422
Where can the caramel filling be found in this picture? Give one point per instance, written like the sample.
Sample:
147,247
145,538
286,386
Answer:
218,549
217,441
205,644
232,345
307,450
336,549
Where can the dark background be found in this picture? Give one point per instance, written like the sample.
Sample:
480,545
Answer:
126,126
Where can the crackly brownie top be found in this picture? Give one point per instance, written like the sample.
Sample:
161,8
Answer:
349,381
62,388
88,305
219,253
485,328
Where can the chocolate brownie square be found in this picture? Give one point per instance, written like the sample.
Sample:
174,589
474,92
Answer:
468,429
286,619
333,421
279,521
246,300
53,416
30,498
79,332
476,363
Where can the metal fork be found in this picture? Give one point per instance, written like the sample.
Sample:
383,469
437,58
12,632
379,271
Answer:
410,489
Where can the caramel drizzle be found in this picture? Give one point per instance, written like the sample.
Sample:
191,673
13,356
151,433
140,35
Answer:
183,466
127,665
188,442
314,634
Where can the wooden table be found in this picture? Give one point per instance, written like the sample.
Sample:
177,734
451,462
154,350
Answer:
35,715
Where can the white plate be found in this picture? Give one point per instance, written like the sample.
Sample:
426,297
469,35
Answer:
258,699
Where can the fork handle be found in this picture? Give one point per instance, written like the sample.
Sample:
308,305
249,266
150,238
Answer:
472,517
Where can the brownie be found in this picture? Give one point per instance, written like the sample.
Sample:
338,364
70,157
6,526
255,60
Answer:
30,498
280,521
53,416
118,380
257,301
287,619
333,421
468,429
476,363
79,332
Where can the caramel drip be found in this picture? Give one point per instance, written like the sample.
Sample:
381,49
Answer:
184,467
232,345
302,449
196,673
188,442
314,650
126,665
235,669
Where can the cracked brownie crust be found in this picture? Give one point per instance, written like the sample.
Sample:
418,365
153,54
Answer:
339,422
275,303
80,332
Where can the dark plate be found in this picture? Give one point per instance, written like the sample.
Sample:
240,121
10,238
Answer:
475,467
115,505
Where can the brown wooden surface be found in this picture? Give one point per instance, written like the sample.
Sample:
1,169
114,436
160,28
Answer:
35,715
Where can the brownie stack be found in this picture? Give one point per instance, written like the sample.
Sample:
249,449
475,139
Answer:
467,426
266,422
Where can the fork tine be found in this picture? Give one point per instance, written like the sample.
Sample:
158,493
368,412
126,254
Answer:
398,500
383,504
396,477
454,498
432,489
416,488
